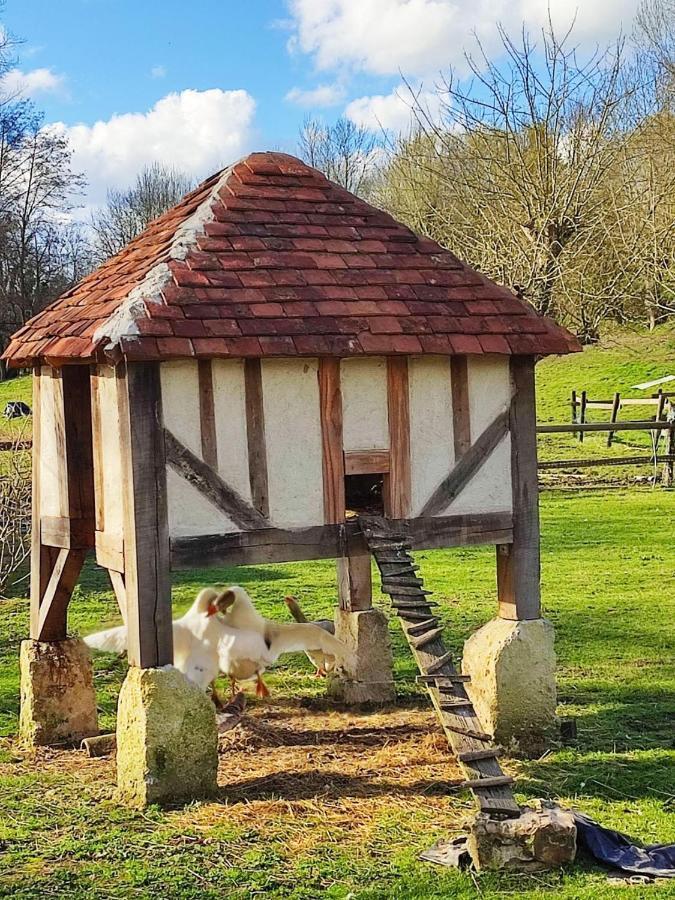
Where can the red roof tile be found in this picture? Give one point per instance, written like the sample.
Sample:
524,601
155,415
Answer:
269,258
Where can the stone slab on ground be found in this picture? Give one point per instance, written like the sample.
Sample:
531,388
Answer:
512,670
542,837
366,634
58,701
167,741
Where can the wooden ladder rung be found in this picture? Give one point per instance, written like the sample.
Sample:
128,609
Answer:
470,756
388,546
389,560
407,570
427,638
414,604
399,581
422,627
415,614
455,703
469,732
401,590
439,662
477,784
454,678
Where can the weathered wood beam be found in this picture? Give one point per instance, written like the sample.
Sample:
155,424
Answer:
367,462
120,591
518,565
146,530
398,483
211,485
255,434
68,533
330,404
461,414
207,413
469,464
54,604
268,545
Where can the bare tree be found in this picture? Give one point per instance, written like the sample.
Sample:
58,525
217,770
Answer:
127,213
518,160
344,152
15,515
654,33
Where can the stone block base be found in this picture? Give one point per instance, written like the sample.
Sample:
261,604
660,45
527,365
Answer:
366,634
167,741
540,838
512,669
58,702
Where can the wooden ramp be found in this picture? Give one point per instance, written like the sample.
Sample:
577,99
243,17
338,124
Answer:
472,746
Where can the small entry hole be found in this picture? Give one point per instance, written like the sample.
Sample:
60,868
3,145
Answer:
364,494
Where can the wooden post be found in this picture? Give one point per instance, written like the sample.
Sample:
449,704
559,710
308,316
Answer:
573,404
461,413
255,432
616,405
330,404
518,565
146,532
582,415
398,482
55,570
667,477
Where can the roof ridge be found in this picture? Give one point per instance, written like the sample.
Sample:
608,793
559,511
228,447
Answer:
122,323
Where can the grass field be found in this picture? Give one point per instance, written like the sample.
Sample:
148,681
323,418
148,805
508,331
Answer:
328,803
317,801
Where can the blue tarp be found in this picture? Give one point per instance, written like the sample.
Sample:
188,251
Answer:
616,850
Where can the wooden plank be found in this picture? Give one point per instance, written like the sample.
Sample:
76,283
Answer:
330,404
398,485
97,449
266,545
582,415
616,406
110,551
120,591
462,473
477,784
518,564
638,425
68,533
478,755
255,433
367,462
76,388
207,413
146,532
604,461
210,484
461,411
52,617
42,558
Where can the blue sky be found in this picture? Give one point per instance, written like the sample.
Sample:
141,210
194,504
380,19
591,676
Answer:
199,84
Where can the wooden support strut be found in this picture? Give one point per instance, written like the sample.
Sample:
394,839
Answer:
54,571
453,706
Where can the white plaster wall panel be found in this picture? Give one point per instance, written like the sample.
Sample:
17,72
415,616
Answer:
229,400
180,402
190,513
364,404
489,395
53,490
290,390
111,461
431,433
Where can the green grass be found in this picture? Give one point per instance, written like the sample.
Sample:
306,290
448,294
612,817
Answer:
608,559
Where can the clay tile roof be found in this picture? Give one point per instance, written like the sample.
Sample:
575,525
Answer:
269,258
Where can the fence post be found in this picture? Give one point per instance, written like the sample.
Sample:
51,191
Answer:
616,403
667,476
573,404
582,415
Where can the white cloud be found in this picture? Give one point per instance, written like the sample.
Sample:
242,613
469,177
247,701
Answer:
420,37
392,112
16,83
198,132
319,97
158,72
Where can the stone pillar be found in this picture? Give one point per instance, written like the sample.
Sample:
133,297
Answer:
167,740
58,703
365,631
512,669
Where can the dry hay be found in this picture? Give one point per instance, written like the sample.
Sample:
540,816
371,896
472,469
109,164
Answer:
310,774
